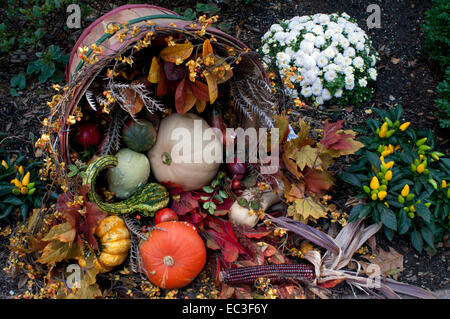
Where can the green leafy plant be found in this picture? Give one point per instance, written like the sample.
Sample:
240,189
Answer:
442,103
215,193
401,181
203,8
20,186
436,32
49,65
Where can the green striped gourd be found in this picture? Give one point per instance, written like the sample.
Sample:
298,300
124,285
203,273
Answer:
146,200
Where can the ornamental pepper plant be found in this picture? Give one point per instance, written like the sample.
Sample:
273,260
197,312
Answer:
401,180
20,187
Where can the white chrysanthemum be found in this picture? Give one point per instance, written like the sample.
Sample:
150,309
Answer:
310,76
319,41
329,52
319,100
326,95
373,73
309,62
280,36
310,37
276,28
360,46
350,86
348,71
323,51
358,62
322,60
306,91
330,75
350,52
362,82
318,30
345,15
344,42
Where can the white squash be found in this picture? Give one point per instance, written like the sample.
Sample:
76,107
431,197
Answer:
131,172
239,215
187,152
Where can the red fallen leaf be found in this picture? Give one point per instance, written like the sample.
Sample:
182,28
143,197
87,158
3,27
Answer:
174,72
221,232
317,181
274,255
172,87
200,90
195,217
258,233
184,204
330,284
226,292
243,292
331,139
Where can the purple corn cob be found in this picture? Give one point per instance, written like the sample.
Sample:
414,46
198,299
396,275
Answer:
276,273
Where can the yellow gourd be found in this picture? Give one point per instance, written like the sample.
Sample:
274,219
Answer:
114,241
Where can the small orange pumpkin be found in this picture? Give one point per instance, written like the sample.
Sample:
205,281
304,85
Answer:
173,255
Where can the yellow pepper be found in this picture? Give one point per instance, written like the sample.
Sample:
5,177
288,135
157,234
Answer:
4,164
16,183
444,184
20,169
26,179
382,195
405,190
420,168
412,209
24,190
388,175
374,197
404,126
374,183
383,130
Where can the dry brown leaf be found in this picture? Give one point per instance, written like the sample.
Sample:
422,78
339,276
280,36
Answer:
390,262
395,60
178,51
154,75
304,209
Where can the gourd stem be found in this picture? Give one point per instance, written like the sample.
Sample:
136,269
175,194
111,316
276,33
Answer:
168,261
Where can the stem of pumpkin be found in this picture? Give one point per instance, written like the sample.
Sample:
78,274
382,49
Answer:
168,261
276,273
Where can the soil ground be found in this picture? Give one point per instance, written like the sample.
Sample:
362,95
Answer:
406,76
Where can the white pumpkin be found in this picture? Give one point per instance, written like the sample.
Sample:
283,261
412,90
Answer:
131,172
187,152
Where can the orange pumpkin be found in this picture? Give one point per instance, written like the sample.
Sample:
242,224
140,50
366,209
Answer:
173,255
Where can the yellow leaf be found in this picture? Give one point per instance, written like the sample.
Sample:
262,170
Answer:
200,106
212,87
63,232
305,209
308,156
178,51
57,251
207,48
154,75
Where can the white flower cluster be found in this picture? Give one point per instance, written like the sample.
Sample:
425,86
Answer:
322,57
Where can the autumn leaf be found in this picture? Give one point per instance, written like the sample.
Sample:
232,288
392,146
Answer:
200,90
317,181
308,156
161,89
63,232
134,100
282,124
174,72
305,209
213,89
353,145
184,203
332,139
184,98
390,262
178,52
154,74
292,191
207,48
57,251
200,106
